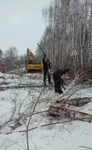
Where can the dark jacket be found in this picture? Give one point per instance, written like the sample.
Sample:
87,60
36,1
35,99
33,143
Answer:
58,73
46,64
58,80
45,67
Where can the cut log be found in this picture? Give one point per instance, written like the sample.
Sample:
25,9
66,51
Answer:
24,86
76,101
79,101
58,111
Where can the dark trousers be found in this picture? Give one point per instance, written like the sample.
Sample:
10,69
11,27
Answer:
47,74
58,87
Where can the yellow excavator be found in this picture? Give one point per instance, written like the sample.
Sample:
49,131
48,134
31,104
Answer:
31,65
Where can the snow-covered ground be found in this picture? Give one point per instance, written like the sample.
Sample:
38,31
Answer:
18,103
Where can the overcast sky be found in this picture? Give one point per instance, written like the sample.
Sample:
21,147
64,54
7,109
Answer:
21,24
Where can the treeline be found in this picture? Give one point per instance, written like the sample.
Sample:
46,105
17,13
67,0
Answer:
67,40
10,57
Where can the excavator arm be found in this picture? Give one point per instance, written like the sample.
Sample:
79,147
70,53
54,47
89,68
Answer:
32,66
30,56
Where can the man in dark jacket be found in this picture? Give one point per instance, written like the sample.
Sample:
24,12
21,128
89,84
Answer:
46,67
58,80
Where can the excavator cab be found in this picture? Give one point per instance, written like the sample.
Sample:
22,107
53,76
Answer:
33,66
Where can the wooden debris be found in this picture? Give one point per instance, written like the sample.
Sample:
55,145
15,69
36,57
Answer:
79,101
20,86
2,77
23,86
2,89
58,111
76,101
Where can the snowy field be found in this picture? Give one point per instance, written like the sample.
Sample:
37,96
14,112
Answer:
23,105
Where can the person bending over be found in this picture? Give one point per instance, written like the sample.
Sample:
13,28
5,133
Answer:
58,80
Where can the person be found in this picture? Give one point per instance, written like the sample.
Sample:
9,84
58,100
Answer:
58,81
46,68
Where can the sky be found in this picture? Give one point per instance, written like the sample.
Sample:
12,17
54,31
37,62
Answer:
21,24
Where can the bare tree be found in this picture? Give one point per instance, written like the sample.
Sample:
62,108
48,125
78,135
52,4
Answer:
1,53
11,55
67,39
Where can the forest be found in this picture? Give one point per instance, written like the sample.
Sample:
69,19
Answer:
67,40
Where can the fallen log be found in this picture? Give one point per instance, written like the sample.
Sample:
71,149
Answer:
58,111
24,86
2,89
76,101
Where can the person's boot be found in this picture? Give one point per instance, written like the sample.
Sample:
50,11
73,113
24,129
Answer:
60,92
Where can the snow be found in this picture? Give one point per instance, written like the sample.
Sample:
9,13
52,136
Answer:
71,135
